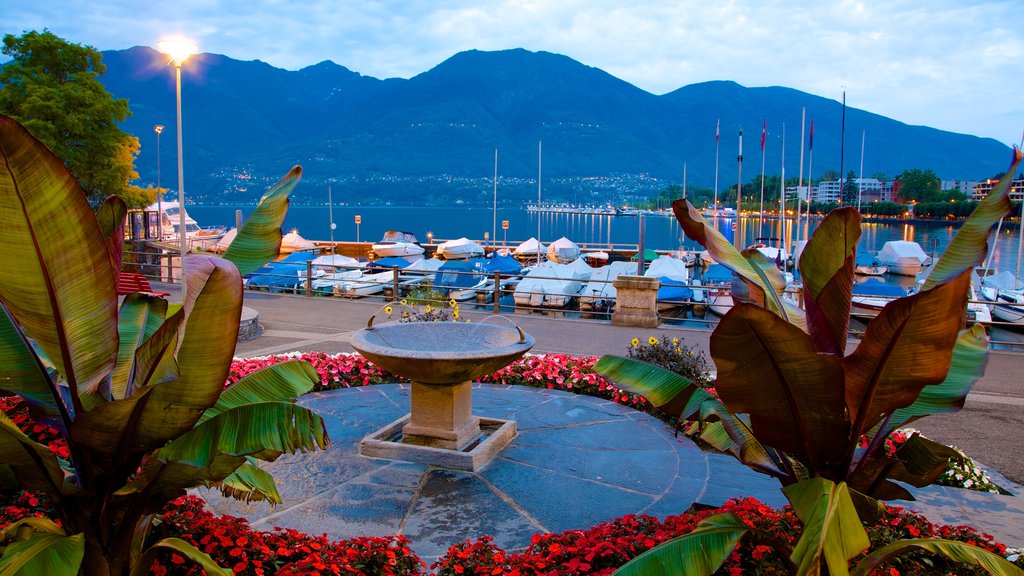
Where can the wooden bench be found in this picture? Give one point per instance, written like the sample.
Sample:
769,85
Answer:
130,283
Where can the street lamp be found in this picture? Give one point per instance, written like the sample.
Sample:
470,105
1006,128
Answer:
159,129
179,50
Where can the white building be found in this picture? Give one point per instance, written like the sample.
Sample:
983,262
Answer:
982,189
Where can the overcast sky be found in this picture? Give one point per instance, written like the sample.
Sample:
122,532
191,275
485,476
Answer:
953,65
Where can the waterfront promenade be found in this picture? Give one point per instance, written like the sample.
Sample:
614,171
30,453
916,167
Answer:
988,429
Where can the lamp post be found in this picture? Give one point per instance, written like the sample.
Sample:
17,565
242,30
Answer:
159,129
179,50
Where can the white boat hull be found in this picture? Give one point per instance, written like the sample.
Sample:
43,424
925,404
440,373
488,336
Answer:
398,249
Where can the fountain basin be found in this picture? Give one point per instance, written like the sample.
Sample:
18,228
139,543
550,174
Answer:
441,359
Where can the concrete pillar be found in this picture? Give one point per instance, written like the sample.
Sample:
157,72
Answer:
636,301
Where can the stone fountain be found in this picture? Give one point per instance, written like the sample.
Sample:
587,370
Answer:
441,359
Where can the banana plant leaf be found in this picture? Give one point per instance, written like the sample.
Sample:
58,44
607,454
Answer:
696,227
210,330
34,466
111,215
138,317
832,530
906,347
59,284
769,369
25,376
699,553
970,244
249,483
145,562
918,462
970,355
50,554
826,265
259,240
955,551
281,382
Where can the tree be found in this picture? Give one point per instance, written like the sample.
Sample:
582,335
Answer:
919,185
52,87
850,188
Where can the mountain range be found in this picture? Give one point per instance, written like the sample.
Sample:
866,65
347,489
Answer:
432,137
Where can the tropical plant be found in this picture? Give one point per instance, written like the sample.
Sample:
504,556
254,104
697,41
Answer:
136,390
794,405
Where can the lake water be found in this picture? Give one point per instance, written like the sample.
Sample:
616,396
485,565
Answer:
662,232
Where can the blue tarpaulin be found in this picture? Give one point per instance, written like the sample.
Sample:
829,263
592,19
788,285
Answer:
455,274
503,264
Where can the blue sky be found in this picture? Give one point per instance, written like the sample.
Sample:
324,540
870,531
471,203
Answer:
953,65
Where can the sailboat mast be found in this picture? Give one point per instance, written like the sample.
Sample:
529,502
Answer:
739,189
494,212
718,127
760,213
539,148
783,233
330,215
684,179
842,150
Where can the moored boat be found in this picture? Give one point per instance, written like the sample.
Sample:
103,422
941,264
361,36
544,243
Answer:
397,243
903,257
459,249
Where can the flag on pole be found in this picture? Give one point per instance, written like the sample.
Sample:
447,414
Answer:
811,145
764,131
718,126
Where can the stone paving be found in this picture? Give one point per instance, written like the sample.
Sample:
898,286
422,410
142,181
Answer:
341,493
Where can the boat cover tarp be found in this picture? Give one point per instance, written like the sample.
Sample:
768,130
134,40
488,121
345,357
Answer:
338,261
550,278
649,255
866,259
389,262
531,246
459,248
292,242
277,276
563,251
297,257
717,274
876,287
425,265
672,290
456,274
668,266
503,264
580,265
1005,280
895,250
600,284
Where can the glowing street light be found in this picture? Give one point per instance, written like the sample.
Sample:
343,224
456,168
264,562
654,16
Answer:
159,129
179,50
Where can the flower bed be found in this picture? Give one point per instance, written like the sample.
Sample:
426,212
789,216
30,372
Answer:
598,550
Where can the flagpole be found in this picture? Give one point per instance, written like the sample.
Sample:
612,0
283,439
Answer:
760,214
842,151
684,179
739,189
860,184
718,126
810,179
783,233
800,179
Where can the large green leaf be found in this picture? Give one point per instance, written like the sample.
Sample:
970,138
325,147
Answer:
832,530
50,554
35,467
725,253
58,283
955,551
142,566
249,483
111,215
285,381
22,373
699,553
826,265
970,245
138,313
769,369
672,393
257,430
212,313
259,240
906,347
970,354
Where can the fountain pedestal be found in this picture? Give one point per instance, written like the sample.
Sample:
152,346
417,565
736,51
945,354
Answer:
442,416
441,359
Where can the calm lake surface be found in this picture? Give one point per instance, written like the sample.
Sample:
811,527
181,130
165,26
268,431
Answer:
662,232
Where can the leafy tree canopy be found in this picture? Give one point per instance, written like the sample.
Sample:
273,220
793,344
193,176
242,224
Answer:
919,185
52,87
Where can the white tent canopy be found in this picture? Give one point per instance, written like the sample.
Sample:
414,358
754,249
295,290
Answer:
897,250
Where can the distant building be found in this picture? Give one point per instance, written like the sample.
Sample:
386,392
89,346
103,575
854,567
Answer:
982,189
965,187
